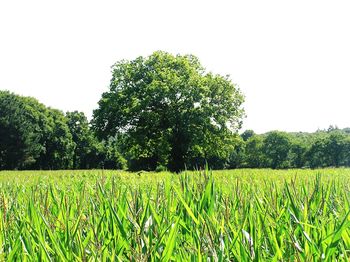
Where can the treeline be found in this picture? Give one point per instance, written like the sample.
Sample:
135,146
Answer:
324,148
33,136
160,112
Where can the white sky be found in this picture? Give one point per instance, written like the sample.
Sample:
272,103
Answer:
291,59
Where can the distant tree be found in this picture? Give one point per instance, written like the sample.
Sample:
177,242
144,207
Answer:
317,154
58,143
86,150
254,156
89,152
276,149
169,112
297,153
21,122
247,134
332,128
346,130
237,156
32,136
111,156
336,146
346,150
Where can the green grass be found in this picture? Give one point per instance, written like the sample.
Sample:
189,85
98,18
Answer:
237,215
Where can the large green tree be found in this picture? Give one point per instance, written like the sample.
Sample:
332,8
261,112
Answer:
32,135
169,112
21,122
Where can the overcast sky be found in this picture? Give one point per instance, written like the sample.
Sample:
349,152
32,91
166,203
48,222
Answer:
291,59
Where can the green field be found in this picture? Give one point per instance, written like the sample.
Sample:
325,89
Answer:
237,215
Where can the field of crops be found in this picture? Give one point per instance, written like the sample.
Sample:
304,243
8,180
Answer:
238,215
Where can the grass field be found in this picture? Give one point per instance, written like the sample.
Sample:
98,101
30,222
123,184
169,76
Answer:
237,215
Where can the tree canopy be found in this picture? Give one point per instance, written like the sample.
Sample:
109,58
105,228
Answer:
160,112
32,135
168,111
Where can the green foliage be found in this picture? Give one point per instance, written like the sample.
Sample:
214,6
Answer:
31,135
57,139
170,112
238,154
88,152
254,155
162,112
239,215
297,153
21,120
276,148
330,148
112,158
247,134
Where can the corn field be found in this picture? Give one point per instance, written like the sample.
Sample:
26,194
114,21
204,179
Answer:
238,215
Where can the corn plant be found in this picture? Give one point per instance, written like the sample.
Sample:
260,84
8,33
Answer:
239,215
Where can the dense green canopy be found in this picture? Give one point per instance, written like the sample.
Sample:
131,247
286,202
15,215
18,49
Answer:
160,112
168,111
32,135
